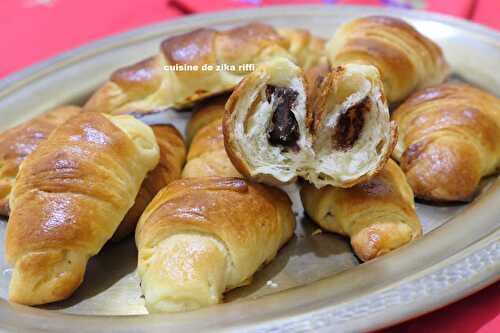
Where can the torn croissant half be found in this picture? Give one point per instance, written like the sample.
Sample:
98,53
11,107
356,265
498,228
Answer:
265,130
276,128
352,133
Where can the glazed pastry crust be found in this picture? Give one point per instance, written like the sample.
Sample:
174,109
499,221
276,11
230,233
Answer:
207,156
172,159
18,142
207,113
70,195
200,237
449,139
377,215
406,59
148,87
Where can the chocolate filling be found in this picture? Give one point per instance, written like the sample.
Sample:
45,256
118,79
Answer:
350,124
284,129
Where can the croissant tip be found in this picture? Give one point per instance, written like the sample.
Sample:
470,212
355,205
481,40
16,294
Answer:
366,244
29,286
381,238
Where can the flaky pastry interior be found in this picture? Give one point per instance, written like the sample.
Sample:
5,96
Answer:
353,135
266,124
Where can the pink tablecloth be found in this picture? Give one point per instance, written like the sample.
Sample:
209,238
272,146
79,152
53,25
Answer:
33,30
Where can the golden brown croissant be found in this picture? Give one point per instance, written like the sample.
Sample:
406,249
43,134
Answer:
20,141
307,50
449,139
406,59
273,132
158,82
70,195
207,156
378,215
200,237
208,112
172,158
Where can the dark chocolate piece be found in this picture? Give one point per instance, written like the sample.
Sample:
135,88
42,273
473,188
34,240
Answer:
284,128
350,124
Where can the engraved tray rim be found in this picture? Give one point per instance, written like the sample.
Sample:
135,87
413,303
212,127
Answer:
418,285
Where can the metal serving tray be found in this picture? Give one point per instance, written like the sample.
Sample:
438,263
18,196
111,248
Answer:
315,283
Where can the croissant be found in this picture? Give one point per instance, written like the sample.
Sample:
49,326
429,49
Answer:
18,142
70,195
200,237
378,215
170,78
450,139
406,59
273,133
207,155
172,158
307,50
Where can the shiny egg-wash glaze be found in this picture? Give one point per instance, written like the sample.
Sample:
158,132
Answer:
70,196
200,237
147,86
378,215
207,155
172,158
18,142
406,59
450,139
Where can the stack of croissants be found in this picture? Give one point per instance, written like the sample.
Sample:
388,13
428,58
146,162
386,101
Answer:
205,206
